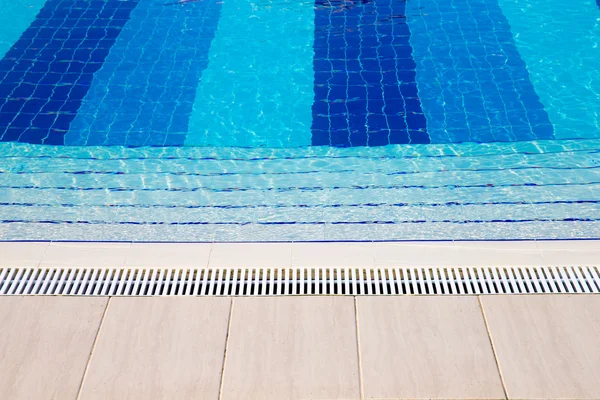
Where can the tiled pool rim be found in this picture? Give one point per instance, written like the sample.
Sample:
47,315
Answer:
347,268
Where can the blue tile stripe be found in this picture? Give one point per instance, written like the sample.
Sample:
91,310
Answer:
473,82
48,71
145,91
563,60
365,90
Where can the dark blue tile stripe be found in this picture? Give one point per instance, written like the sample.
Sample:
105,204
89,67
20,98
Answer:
304,206
263,223
365,90
48,71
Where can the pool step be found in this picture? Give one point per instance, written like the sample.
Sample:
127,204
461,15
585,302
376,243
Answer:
500,191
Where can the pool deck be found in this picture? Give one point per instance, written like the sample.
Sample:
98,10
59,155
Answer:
300,254
300,347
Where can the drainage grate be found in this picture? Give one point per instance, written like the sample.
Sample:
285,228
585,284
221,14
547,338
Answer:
297,281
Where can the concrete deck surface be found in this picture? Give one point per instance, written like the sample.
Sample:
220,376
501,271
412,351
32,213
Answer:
327,347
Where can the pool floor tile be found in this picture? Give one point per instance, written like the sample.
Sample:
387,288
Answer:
45,345
425,348
158,348
292,348
547,346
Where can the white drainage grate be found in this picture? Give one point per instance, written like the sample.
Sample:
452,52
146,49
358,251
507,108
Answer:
297,281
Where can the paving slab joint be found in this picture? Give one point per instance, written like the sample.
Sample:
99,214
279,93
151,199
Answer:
487,329
87,365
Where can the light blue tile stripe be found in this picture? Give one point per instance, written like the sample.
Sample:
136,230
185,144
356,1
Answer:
144,92
15,18
560,43
258,88
472,82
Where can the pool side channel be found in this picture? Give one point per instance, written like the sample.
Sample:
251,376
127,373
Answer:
267,269
298,281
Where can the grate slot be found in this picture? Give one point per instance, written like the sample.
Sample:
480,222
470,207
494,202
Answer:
541,276
515,282
590,280
579,279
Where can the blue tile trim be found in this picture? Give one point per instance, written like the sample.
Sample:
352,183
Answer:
48,71
309,241
365,90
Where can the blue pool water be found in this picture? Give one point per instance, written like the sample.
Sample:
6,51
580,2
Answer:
256,120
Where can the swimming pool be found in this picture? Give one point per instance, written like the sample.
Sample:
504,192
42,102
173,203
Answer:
240,120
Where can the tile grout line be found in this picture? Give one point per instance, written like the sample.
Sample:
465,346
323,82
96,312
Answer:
87,366
222,380
360,373
210,249
127,255
373,254
487,328
39,264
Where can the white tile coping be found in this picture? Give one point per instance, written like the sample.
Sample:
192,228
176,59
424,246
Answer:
306,254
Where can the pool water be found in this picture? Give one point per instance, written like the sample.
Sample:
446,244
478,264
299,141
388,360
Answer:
240,120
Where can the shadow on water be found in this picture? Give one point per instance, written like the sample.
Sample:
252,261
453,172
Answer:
367,7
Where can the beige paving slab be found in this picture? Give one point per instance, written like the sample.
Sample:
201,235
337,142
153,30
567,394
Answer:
251,255
499,254
292,348
426,348
85,254
416,254
570,252
168,255
22,254
333,254
548,346
45,343
326,254
159,348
